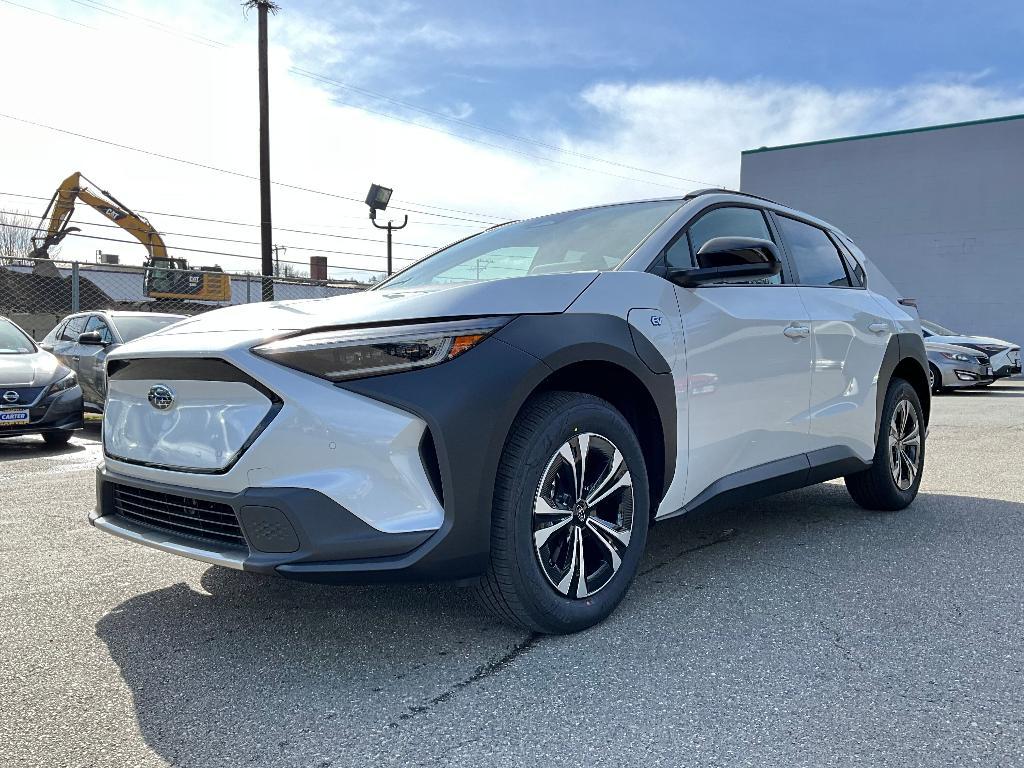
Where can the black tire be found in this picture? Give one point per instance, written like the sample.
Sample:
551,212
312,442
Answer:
56,439
935,379
516,587
877,488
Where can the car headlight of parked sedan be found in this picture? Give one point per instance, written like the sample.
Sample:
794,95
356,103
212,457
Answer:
64,384
956,356
341,355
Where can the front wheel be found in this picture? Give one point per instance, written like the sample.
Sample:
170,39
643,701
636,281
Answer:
894,477
570,516
56,439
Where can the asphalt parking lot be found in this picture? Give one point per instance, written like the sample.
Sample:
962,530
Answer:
797,631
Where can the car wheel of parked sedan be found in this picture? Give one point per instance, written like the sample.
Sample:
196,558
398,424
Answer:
935,380
56,439
895,474
570,516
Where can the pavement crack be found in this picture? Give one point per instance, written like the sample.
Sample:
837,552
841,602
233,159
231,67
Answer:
727,535
484,671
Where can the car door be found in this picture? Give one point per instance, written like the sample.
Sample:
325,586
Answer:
66,345
850,331
92,359
748,357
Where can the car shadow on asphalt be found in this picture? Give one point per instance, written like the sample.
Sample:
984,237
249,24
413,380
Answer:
253,666
33,446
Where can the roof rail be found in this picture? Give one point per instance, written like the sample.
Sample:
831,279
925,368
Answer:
723,190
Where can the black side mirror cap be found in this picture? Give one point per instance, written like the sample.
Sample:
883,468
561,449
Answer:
721,258
92,339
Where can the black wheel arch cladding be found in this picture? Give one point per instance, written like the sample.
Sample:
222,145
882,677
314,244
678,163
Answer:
470,403
905,354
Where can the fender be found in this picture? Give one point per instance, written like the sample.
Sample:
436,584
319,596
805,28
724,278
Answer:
560,341
901,347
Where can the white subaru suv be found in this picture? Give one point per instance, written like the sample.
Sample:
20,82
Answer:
516,410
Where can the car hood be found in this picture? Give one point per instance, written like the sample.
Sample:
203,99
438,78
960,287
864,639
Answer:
969,340
941,346
33,370
534,294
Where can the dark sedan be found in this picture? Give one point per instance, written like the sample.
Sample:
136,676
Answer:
38,394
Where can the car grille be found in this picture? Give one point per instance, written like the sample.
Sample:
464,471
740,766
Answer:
26,395
194,518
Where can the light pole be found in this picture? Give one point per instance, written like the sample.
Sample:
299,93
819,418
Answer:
377,198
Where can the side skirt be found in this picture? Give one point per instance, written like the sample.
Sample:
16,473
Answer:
774,477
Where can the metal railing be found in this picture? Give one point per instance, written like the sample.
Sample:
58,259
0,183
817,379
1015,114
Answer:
38,293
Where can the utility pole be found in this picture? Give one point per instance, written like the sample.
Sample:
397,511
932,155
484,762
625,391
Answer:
263,7
277,258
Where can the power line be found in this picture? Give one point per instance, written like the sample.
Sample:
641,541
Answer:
280,229
476,126
201,250
51,15
158,25
227,171
504,149
239,242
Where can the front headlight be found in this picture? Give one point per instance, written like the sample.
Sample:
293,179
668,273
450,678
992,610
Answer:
956,356
358,353
63,385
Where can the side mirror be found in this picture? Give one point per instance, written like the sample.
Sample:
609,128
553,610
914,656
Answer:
92,339
721,258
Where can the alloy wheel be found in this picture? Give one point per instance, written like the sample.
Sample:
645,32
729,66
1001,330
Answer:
904,445
583,515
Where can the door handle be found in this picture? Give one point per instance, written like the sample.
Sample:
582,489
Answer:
797,331
879,327
76,358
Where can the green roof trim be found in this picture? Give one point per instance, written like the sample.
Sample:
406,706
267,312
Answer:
885,133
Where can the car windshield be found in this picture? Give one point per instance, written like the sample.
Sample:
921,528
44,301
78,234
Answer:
132,326
937,330
576,241
13,341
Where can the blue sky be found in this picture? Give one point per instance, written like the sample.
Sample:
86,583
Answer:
598,101
534,58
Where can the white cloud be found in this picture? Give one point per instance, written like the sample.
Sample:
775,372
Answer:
131,84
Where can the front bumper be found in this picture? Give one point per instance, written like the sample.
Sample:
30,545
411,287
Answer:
61,412
285,529
382,479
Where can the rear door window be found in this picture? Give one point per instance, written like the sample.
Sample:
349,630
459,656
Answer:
815,256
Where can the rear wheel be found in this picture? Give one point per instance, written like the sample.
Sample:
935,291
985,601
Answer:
570,516
56,439
895,474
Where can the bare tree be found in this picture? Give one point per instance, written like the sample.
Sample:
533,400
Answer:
15,235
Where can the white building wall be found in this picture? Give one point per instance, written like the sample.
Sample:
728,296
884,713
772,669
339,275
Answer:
940,210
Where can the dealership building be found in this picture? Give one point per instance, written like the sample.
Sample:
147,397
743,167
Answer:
939,209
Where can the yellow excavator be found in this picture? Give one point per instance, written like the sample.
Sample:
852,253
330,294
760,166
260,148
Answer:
166,277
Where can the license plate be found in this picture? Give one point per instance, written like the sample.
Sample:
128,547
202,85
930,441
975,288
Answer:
14,417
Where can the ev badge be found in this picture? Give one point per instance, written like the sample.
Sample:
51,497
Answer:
656,320
161,397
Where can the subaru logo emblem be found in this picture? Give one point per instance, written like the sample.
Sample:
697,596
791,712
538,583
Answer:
10,396
161,397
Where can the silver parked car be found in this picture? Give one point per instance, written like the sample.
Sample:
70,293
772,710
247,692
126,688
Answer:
82,342
1004,355
954,367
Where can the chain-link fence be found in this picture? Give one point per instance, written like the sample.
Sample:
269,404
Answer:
38,293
